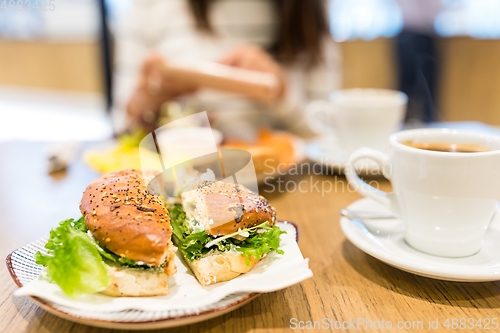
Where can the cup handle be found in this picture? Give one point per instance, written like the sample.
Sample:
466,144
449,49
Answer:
316,108
389,200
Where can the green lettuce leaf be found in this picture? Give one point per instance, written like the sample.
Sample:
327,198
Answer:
177,221
259,244
73,260
79,225
192,244
109,256
77,262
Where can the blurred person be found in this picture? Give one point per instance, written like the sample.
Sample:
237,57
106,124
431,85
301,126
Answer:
288,38
418,65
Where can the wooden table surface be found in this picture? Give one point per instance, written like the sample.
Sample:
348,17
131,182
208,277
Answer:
347,284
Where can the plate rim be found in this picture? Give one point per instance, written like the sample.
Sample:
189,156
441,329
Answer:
443,276
140,324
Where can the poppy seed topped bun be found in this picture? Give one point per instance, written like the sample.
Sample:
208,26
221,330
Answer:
224,208
128,220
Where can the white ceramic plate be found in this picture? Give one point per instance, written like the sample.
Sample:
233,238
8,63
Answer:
383,239
181,307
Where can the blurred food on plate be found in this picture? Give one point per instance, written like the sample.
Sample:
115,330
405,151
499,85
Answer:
178,144
121,154
269,150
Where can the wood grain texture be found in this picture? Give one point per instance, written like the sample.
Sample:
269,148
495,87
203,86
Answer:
469,83
369,64
52,65
347,283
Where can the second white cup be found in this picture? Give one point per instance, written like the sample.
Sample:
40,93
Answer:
359,117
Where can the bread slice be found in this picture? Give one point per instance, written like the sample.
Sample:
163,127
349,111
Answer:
220,267
130,282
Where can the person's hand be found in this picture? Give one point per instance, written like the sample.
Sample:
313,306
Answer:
254,58
153,90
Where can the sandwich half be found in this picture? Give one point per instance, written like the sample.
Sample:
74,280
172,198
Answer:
120,247
223,230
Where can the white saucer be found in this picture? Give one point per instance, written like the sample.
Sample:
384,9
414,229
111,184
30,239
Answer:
383,239
327,151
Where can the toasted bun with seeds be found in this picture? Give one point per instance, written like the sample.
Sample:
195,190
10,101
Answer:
131,222
224,208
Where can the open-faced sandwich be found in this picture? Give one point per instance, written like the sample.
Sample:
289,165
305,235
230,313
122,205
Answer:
223,230
121,246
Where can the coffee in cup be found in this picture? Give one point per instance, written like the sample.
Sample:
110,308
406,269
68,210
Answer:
446,187
446,147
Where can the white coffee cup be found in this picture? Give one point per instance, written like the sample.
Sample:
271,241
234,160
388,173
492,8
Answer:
445,199
360,117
